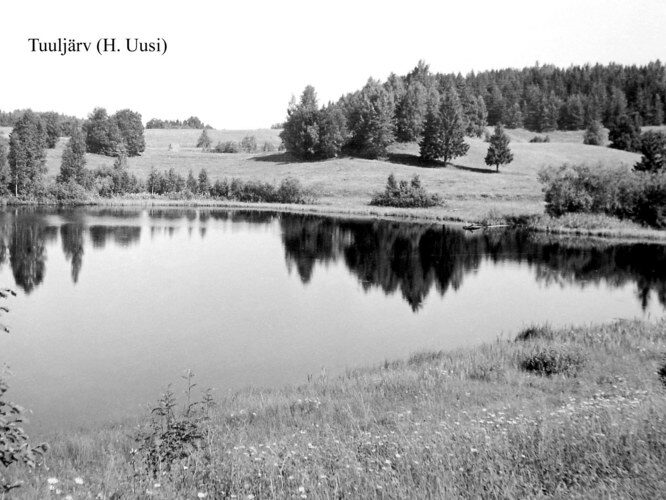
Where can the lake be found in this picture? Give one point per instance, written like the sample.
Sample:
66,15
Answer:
113,305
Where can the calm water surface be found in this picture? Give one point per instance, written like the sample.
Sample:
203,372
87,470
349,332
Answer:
113,305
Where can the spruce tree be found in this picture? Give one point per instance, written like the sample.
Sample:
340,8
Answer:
203,187
204,141
625,134
498,150
444,133
191,183
72,165
653,147
370,120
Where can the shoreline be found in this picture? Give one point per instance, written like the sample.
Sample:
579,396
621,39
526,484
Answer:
412,215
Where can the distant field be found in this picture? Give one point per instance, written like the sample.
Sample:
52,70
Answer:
470,188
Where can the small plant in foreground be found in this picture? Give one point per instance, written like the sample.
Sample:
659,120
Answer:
14,445
552,361
174,436
404,194
540,139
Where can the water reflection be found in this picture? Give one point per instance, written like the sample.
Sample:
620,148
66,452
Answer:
409,259
415,258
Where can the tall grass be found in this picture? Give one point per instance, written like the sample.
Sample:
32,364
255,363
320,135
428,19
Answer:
467,423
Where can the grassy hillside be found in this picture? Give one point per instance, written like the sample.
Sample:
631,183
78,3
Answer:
469,187
578,412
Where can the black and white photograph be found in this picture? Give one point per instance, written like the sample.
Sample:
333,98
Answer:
332,250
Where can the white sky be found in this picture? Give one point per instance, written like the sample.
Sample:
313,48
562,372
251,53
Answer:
236,64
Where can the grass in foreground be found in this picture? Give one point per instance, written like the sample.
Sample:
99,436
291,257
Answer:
572,412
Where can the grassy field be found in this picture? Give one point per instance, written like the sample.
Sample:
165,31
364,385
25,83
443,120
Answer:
471,191
578,412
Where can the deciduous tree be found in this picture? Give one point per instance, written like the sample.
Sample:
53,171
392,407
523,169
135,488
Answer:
27,158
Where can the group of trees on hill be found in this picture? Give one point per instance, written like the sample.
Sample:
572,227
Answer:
115,135
191,122
367,122
417,106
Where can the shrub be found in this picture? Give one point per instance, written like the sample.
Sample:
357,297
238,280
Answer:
68,192
249,144
594,135
227,147
116,180
540,138
405,194
638,196
173,436
14,445
662,373
581,188
535,332
291,191
552,361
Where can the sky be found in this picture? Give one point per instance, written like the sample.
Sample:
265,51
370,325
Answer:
236,64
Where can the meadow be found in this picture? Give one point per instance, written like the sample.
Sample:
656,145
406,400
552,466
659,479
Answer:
576,412
471,191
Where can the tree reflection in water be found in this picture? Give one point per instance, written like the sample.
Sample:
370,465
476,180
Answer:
411,259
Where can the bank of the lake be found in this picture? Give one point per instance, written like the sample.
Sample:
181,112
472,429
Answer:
587,225
567,413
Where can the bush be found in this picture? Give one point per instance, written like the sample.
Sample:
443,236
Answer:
594,135
227,147
14,445
291,191
638,196
249,144
68,192
540,138
404,194
552,361
534,332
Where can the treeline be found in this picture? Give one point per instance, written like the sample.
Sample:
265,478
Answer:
191,122
56,124
539,98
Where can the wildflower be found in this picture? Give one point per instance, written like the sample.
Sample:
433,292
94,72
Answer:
301,489
202,494
52,480
250,496
69,497
157,485
78,480
474,450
